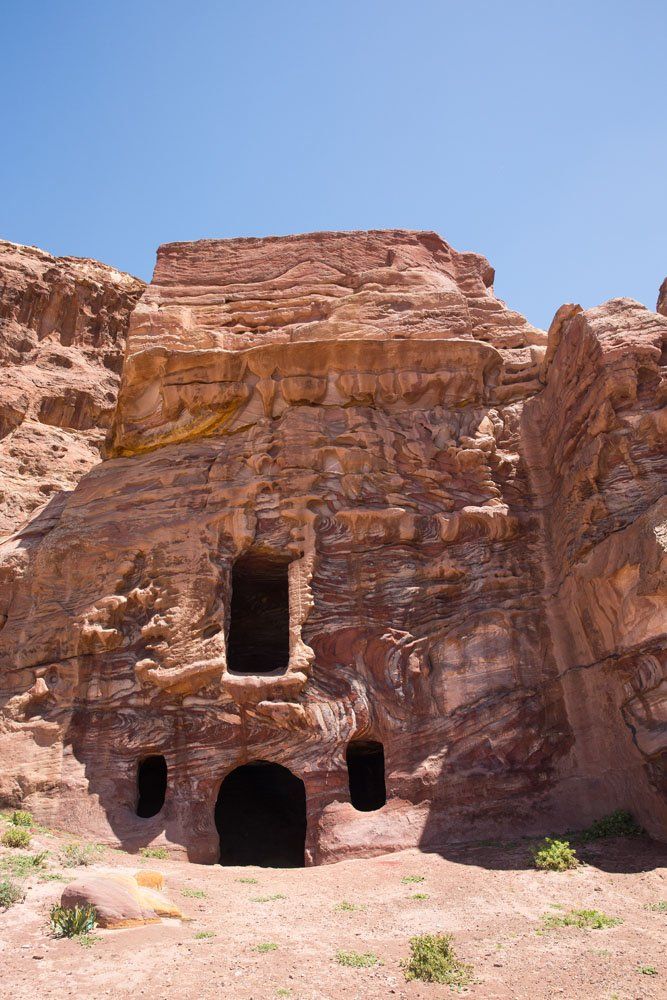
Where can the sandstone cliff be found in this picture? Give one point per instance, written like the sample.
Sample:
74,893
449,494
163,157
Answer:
597,437
63,323
351,501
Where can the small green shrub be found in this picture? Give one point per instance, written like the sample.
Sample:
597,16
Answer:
659,907
194,893
420,895
433,960
16,836
88,940
160,853
590,919
268,899
647,970
10,893
24,865
620,823
410,879
21,818
265,946
81,855
346,907
247,881
554,855
202,935
72,921
357,960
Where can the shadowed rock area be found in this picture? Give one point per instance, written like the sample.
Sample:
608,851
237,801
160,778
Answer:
350,500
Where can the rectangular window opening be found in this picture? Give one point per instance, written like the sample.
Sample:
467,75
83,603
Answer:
258,637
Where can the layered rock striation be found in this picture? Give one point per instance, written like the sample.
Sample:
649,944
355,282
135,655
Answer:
63,323
354,510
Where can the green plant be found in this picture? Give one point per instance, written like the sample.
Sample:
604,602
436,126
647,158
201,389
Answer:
265,946
76,855
659,907
283,991
620,823
161,853
10,893
433,960
268,899
194,893
346,907
357,960
23,865
21,818
409,879
247,881
590,919
201,935
647,970
16,836
88,940
554,855
72,921
420,895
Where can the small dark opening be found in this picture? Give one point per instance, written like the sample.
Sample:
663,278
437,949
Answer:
260,816
152,785
258,638
365,771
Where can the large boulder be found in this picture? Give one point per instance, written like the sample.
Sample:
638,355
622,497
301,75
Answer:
120,900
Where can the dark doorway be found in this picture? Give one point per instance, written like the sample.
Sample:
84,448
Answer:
261,817
365,772
151,785
258,638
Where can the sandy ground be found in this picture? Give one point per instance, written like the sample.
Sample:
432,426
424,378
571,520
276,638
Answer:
488,897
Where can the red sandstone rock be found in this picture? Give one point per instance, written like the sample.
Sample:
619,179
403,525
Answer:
440,538
119,900
63,323
662,298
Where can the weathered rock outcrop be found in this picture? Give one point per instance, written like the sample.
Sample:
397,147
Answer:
63,323
350,505
662,298
597,436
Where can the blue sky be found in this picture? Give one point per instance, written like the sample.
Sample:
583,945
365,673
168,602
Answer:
535,133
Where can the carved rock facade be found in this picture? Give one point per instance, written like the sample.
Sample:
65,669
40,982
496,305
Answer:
351,501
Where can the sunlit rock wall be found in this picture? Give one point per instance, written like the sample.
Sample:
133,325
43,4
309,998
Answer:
63,323
356,403
597,437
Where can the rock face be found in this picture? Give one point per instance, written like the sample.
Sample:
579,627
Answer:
362,534
63,323
662,298
597,436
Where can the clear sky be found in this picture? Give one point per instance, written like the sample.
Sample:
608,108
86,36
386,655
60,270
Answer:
533,132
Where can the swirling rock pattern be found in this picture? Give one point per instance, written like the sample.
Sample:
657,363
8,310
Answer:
361,406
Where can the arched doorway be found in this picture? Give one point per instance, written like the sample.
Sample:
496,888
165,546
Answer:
151,785
260,816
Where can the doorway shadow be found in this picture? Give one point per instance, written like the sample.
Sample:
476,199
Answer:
260,815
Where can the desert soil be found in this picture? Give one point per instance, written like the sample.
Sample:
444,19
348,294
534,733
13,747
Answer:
488,896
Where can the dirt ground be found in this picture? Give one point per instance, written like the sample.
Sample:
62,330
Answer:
488,896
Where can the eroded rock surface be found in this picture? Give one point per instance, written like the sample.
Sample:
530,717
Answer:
597,437
421,501
63,323
662,298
